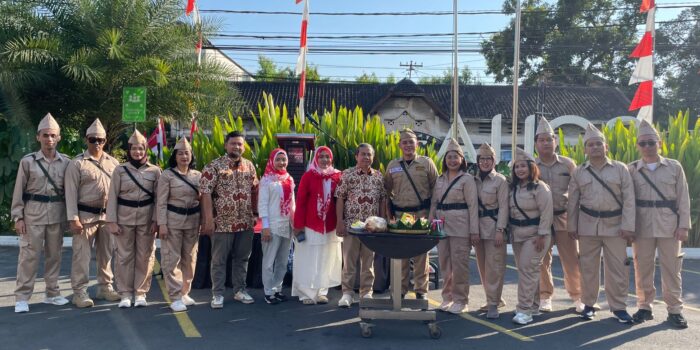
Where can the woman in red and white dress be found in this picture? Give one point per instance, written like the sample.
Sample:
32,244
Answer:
317,252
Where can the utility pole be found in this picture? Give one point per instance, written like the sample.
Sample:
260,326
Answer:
411,67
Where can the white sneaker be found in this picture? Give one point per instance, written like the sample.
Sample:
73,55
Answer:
546,305
58,300
368,296
243,297
445,305
21,306
345,301
521,318
187,300
579,305
178,306
457,309
217,302
125,303
140,301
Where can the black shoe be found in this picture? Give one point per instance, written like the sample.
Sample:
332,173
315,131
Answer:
623,317
420,296
588,313
281,297
271,299
677,320
642,315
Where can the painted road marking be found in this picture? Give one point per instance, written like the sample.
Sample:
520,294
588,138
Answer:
186,324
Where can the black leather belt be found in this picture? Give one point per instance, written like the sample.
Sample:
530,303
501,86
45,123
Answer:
601,214
183,211
526,222
134,204
559,212
41,198
488,213
453,206
89,209
424,205
670,204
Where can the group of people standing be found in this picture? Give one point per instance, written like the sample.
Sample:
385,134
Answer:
120,208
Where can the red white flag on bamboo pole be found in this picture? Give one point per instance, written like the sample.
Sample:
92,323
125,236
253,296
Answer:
301,60
197,21
156,142
644,70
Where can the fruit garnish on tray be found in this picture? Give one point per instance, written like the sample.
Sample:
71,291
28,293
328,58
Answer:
410,222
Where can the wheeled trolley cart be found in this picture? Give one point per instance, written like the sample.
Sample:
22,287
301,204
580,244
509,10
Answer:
396,247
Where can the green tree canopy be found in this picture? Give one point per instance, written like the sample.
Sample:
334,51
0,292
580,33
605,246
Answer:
269,71
466,77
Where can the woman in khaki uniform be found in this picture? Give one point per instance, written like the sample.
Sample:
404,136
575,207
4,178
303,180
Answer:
131,216
455,202
178,220
493,219
531,227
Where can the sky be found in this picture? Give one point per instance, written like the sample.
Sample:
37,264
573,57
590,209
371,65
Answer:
345,66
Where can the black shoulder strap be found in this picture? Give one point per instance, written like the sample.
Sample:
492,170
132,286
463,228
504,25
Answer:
515,200
444,195
675,211
196,190
48,177
149,193
605,186
403,166
99,166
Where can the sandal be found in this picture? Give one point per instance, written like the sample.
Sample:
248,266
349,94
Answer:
322,299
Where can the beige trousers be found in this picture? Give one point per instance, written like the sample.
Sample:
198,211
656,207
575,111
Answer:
179,257
453,256
491,261
421,272
616,273
529,261
670,261
38,238
93,234
568,255
134,258
353,249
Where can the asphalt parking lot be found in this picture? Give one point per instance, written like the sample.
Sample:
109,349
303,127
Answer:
292,325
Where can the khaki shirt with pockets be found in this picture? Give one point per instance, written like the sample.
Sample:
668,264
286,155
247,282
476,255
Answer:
536,203
457,222
557,175
122,186
31,180
493,193
398,187
585,190
669,178
172,190
86,184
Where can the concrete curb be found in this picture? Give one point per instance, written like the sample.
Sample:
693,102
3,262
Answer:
13,241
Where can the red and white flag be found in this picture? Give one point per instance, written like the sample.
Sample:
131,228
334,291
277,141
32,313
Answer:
193,128
644,70
197,21
301,60
190,7
156,142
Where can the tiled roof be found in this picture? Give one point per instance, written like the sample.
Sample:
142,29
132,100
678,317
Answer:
475,101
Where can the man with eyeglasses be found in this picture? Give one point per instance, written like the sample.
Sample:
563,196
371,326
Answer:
555,171
663,221
88,177
601,216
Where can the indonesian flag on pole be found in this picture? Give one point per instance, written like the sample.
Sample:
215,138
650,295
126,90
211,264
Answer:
190,7
193,128
156,142
301,60
644,70
197,21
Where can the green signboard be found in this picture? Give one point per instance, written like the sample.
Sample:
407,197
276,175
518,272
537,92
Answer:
134,104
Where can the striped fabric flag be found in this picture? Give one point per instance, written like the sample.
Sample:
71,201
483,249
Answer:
197,21
643,73
156,142
301,60
190,7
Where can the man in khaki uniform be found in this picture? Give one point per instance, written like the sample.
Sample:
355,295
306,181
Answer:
411,198
555,171
663,221
39,213
601,216
87,184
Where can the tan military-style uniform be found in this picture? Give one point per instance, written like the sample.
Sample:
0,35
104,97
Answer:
87,190
597,217
656,224
491,260
43,209
536,203
403,199
178,208
557,175
460,214
134,210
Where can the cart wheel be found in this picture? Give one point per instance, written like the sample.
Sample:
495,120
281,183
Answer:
366,329
435,331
